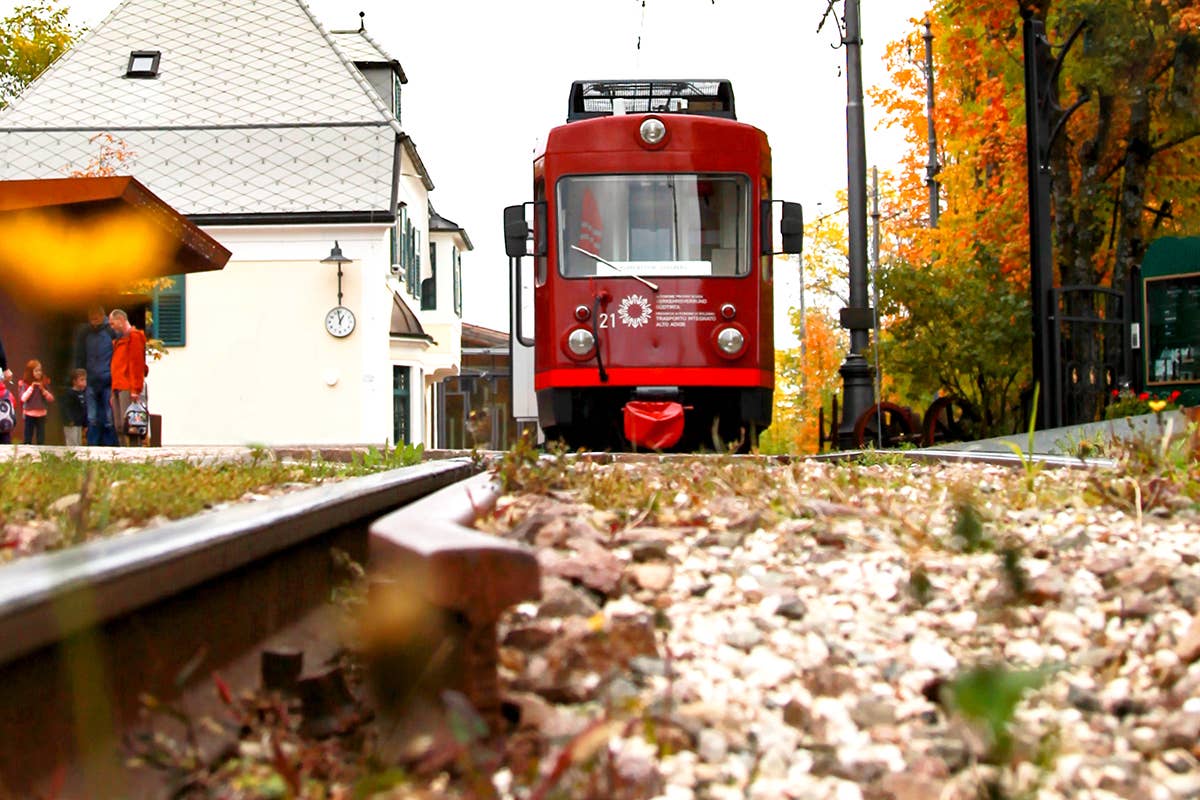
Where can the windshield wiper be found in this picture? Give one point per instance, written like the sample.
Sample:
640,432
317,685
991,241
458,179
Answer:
652,286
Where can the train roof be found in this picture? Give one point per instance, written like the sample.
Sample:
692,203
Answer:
706,97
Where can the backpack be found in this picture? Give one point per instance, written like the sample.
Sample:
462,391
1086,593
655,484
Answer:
8,413
137,420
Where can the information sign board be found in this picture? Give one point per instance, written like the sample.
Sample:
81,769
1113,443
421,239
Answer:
1172,328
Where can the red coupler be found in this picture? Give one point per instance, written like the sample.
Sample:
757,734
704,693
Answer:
653,425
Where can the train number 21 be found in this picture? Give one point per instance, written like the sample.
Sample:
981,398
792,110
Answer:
608,320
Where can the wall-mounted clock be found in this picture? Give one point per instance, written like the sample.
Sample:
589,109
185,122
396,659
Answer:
339,322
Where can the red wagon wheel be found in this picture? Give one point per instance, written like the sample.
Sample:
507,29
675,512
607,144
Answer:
944,421
887,421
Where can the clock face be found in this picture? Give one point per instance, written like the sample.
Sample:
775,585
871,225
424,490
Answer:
339,321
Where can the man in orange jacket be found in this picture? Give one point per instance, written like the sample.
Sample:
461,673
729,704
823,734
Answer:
128,369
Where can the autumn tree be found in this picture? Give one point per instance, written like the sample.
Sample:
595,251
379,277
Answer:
1127,162
31,38
806,379
1124,169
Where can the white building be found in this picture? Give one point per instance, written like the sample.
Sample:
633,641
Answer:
279,138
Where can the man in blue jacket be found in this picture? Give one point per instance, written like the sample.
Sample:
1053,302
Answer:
93,352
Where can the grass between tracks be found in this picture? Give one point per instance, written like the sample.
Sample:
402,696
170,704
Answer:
57,501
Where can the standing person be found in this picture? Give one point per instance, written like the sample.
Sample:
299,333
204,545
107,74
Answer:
5,372
128,368
93,353
8,412
35,402
74,409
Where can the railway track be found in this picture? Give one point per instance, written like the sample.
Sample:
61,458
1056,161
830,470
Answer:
85,633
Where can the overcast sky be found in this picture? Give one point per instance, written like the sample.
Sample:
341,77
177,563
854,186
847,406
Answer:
488,79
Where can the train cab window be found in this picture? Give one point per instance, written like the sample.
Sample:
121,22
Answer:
665,225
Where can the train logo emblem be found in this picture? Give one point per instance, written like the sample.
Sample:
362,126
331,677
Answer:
634,311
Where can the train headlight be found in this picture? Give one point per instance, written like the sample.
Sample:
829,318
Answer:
581,341
653,130
731,341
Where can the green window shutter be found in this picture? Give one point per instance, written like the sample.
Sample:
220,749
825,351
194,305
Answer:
168,313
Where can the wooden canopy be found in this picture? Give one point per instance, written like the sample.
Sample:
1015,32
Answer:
90,201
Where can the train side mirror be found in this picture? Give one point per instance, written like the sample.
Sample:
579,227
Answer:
790,231
516,231
792,228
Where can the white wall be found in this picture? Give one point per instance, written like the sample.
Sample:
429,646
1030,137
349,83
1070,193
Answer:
259,366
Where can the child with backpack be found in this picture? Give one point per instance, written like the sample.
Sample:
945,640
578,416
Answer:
35,402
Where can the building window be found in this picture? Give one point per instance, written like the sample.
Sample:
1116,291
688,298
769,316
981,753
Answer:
396,95
400,405
456,265
429,285
168,312
412,260
143,64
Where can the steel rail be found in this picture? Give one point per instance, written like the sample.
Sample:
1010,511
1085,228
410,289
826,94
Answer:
85,631
128,572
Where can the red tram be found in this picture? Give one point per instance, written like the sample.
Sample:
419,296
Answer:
653,244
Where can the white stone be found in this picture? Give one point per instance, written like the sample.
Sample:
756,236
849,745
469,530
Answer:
765,669
931,654
962,621
712,746
1064,628
1024,651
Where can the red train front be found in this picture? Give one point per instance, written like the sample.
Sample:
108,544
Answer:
652,244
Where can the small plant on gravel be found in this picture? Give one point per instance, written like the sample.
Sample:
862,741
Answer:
920,588
988,696
870,457
1014,575
1030,465
524,468
376,459
1164,468
1098,445
967,534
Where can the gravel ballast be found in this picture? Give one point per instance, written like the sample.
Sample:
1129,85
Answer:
819,630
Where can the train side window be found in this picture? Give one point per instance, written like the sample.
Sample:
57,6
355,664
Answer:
539,230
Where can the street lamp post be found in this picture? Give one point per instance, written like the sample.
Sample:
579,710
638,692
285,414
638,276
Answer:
931,168
858,391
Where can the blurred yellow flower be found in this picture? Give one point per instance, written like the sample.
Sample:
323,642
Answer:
1157,405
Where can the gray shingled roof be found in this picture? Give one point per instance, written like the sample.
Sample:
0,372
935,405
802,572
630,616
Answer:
359,47
439,223
254,110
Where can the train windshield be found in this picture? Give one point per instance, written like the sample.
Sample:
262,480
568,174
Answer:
656,224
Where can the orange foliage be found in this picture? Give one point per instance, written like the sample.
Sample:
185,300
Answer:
806,379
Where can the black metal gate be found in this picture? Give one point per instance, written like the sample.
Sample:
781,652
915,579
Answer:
1091,352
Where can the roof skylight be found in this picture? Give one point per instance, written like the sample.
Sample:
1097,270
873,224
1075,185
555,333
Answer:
143,64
